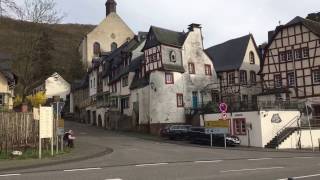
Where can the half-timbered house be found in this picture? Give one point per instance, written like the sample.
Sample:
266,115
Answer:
171,77
291,64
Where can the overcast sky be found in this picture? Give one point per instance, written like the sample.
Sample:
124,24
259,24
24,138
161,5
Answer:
221,19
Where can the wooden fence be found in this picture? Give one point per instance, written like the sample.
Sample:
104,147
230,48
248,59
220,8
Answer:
17,131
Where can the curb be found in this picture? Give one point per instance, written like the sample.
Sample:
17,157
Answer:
98,154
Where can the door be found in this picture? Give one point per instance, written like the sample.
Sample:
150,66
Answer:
195,99
122,105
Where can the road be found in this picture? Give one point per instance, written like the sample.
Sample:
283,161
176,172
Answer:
138,159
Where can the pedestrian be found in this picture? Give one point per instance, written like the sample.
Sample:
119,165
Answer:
69,138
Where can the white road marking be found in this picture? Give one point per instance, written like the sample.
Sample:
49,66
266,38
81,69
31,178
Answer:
302,177
155,164
259,159
85,169
239,170
114,179
214,161
7,175
303,157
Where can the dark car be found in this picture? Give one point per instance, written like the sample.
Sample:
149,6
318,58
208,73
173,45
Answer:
175,132
197,135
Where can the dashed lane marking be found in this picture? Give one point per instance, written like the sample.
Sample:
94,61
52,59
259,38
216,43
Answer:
84,169
302,177
255,169
114,179
214,161
259,159
8,175
155,164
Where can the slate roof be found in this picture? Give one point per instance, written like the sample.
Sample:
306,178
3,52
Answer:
5,69
312,25
229,55
169,37
80,84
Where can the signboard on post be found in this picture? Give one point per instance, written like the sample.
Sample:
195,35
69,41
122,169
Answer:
36,114
217,130
46,122
60,129
217,124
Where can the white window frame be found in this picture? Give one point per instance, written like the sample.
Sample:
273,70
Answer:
291,79
316,76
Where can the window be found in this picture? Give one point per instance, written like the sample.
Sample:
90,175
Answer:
251,56
125,102
245,100
253,77
305,52
316,76
291,79
191,68
173,56
125,82
180,100
239,126
289,55
207,69
254,100
114,46
1,99
231,78
282,56
94,82
91,83
243,77
278,81
96,49
215,97
297,54
169,78
114,88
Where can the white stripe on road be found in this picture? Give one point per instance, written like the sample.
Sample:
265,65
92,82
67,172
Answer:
303,157
259,159
302,177
239,170
155,164
85,169
114,179
214,161
7,175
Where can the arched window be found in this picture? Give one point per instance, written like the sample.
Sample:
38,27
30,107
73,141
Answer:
96,49
251,57
114,46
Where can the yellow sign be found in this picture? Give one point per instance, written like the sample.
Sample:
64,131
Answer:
61,123
217,124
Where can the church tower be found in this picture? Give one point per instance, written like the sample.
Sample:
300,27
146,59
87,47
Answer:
111,6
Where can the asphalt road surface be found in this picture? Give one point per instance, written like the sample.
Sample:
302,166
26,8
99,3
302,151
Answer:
137,159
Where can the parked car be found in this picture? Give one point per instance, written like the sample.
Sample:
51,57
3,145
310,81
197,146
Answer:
175,132
197,135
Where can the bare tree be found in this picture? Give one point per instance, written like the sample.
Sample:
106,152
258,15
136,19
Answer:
7,7
40,11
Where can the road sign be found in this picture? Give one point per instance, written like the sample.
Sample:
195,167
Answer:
60,129
46,122
223,107
217,130
217,124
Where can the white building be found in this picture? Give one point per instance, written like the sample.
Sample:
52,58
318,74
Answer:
54,86
8,81
171,78
237,63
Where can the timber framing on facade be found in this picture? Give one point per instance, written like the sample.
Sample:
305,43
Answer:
292,59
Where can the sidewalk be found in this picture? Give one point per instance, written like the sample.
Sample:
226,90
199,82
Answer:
79,153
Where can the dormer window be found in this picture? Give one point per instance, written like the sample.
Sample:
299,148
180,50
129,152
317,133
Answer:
114,46
173,57
96,49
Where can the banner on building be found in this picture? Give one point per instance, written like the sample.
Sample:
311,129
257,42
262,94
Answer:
218,124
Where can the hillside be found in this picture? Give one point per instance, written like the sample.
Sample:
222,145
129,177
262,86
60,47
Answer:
65,38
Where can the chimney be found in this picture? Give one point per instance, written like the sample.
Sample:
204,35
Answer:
193,25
